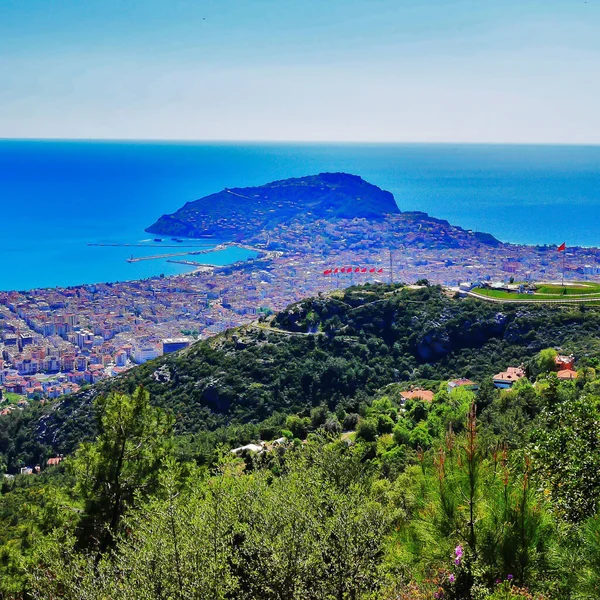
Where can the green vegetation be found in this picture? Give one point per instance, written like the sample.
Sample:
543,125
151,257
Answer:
228,213
448,504
223,389
571,289
487,496
13,398
587,291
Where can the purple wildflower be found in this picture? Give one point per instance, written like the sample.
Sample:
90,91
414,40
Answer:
509,577
457,561
458,551
451,578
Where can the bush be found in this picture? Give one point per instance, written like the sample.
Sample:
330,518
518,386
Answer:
367,430
384,424
350,422
401,435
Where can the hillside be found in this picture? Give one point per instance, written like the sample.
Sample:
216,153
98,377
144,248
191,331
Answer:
460,496
336,350
237,212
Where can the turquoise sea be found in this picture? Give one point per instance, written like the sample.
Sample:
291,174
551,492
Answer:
56,197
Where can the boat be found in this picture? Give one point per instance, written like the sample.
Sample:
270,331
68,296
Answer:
157,239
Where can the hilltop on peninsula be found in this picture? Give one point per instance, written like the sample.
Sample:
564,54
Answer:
244,211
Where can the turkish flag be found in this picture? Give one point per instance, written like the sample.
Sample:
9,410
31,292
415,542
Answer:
562,247
363,270
380,271
357,270
372,270
335,270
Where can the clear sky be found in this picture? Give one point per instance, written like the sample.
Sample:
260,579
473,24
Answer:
362,70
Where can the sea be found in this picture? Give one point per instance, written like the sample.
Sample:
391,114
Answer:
61,200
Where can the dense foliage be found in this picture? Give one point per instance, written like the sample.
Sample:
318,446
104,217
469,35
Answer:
457,511
327,195
338,351
363,495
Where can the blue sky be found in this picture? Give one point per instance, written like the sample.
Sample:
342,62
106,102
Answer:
348,70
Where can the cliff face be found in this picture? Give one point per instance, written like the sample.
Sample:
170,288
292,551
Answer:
238,212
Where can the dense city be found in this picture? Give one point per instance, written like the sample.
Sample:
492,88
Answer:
54,341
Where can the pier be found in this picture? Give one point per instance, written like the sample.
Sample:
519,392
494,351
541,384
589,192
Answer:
156,256
144,245
217,248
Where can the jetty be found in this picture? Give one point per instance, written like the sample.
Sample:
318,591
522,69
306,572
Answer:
192,263
146,245
217,248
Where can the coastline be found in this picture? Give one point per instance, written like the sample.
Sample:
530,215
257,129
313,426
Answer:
199,267
114,257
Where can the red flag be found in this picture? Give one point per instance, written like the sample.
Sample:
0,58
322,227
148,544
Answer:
363,270
357,270
327,272
336,270
343,269
372,270
380,271
562,247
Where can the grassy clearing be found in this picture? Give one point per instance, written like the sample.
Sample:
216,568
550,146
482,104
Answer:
513,295
12,398
549,291
578,289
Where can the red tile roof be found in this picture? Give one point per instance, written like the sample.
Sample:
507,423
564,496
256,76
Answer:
567,374
425,395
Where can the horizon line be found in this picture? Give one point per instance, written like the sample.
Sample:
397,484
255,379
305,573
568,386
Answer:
294,141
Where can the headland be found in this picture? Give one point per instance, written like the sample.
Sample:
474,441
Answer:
56,340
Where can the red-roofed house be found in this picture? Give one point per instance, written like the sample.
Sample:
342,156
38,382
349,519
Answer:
418,394
564,362
505,379
464,383
567,374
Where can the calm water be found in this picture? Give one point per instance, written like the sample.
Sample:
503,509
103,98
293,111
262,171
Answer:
56,197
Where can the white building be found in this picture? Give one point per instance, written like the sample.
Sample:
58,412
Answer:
142,354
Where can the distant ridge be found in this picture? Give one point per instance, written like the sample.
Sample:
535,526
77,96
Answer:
245,211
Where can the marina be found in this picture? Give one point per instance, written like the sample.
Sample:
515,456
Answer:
218,248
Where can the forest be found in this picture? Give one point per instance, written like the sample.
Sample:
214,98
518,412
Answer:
350,491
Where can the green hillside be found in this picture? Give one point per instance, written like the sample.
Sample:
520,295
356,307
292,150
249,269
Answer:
346,490
335,350
245,211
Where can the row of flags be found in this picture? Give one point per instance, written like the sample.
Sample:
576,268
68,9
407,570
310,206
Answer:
352,270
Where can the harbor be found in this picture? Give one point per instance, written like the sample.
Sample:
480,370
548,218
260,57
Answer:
168,256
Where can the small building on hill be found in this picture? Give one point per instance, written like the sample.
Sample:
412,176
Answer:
463,383
564,362
417,394
505,379
567,374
